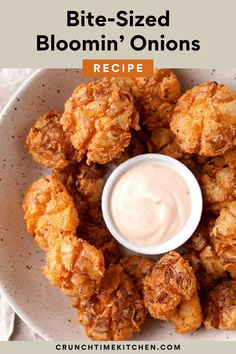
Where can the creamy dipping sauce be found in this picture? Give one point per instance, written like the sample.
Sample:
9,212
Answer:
150,203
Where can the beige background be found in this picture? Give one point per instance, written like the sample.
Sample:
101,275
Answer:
212,22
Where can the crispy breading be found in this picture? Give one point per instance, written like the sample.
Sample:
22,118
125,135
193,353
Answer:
230,158
204,119
116,312
100,237
224,237
137,268
207,264
137,146
68,177
48,144
219,310
99,117
201,160
49,211
187,317
85,184
163,141
155,96
89,183
206,280
218,184
171,281
95,215
74,266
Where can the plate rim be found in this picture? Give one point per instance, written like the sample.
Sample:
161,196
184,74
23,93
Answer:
10,300
3,116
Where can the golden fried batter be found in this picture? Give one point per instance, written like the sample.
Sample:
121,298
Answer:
89,183
163,141
224,237
137,146
204,119
69,177
218,184
230,158
48,144
100,237
85,185
74,266
99,117
187,317
49,211
95,215
171,281
116,312
155,96
219,311
208,266
137,268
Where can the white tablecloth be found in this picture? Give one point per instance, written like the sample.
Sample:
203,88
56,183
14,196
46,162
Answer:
11,326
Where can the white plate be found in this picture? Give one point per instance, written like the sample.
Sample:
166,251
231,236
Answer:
40,305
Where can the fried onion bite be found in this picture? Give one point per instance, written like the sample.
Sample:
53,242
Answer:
207,264
100,237
170,282
48,144
224,237
99,118
116,311
49,211
163,141
155,96
138,146
218,183
219,310
89,182
204,119
230,158
137,268
85,185
74,266
187,317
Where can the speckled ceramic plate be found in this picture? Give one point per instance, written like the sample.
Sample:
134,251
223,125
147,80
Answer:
40,305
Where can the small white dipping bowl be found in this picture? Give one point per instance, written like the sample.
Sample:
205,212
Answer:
195,196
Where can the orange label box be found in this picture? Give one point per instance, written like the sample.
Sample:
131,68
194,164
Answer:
117,68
